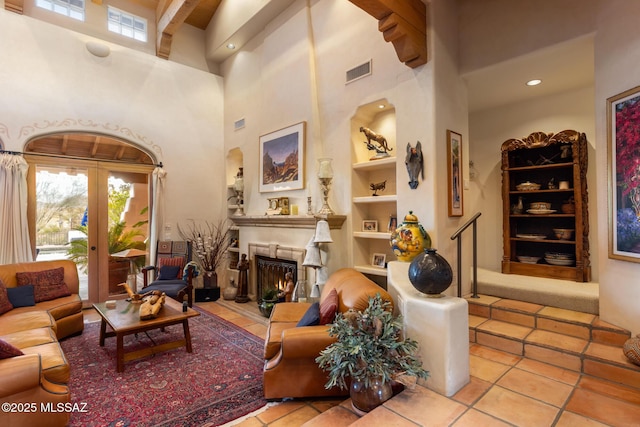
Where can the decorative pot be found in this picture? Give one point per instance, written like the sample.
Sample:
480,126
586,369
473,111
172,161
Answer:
430,273
409,240
210,279
364,399
266,306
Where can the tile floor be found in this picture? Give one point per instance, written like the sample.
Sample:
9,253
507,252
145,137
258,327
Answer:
505,390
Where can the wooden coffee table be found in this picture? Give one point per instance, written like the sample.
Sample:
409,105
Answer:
124,319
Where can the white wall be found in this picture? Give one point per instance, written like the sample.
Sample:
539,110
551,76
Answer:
52,84
268,83
617,48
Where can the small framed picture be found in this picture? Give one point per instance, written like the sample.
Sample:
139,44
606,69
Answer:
379,260
369,225
393,223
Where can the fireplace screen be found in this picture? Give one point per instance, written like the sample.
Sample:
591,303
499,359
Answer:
271,272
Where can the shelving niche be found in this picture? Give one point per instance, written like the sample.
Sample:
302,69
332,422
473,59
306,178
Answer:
365,206
234,163
544,160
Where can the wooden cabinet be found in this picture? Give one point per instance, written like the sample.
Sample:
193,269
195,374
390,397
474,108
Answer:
545,206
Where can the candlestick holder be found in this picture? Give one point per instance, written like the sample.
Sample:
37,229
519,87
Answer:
309,210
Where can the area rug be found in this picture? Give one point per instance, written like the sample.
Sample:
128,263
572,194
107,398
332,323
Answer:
219,382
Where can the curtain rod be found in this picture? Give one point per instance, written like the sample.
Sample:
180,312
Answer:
77,158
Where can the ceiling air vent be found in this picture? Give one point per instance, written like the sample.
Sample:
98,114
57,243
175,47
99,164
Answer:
238,124
358,72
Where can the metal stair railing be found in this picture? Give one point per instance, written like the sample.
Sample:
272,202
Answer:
458,235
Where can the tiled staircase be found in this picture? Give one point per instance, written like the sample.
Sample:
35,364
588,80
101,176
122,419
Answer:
572,340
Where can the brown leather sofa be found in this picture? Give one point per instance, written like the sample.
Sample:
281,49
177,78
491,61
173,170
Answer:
40,375
290,369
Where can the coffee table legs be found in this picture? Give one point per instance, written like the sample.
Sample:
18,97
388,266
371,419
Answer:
187,335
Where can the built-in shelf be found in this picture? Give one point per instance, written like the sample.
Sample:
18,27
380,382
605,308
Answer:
391,198
369,269
372,235
385,163
287,221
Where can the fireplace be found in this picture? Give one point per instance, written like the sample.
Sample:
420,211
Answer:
270,255
270,272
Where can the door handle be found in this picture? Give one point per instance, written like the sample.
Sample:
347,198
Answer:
93,248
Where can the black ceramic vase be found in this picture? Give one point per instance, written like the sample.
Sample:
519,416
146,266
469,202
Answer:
430,273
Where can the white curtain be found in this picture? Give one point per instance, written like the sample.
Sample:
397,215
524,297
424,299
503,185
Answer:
157,210
15,245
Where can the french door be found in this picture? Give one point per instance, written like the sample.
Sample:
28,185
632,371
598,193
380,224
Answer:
93,212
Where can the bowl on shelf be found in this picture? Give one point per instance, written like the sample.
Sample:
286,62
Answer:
525,259
563,233
540,206
527,186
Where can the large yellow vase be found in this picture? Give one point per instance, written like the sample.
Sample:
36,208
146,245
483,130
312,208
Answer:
410,239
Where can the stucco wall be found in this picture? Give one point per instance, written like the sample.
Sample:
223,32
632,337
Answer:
52,83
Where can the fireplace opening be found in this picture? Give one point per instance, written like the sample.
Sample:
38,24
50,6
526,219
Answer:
271,272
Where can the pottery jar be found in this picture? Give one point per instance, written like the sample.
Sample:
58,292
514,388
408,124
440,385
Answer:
410,239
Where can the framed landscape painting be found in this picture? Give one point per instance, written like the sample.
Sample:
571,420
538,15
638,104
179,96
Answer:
454,172
623,138
282,159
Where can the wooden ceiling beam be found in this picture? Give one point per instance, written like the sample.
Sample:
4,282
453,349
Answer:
169,22
16,6
404,24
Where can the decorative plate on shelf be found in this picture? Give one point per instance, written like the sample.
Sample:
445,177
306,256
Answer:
556,261
541,211
527,186
531,236
528,259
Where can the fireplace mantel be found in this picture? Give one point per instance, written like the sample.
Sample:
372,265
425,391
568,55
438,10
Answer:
287,221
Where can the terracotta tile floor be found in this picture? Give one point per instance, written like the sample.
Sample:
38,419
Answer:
504,390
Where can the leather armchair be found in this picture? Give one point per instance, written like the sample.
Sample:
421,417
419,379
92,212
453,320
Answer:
290,368
177,254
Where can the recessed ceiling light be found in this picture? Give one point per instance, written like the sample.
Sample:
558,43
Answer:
231,46
534,82
381,106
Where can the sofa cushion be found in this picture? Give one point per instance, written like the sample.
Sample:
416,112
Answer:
7,350
48,284
31,337
5,304
329,307
18,320
311,317
273,340
21,296
54,365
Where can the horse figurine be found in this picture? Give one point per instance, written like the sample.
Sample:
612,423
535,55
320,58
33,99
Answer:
382,148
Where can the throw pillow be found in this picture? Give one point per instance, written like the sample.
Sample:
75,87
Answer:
7,350
174,261
22,296
631,349
169,272
5,304
329,307
311,316
47,284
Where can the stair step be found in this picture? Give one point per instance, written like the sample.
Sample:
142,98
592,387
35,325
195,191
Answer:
567,339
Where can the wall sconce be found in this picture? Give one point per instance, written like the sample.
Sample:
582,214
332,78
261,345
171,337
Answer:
325,175
98,49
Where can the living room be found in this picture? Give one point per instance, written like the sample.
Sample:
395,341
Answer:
184,115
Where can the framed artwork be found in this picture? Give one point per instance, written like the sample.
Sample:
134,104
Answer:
282,159
393,223
454,173
379,260
369,225
623,138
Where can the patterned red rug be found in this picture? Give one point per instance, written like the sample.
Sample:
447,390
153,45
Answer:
219,382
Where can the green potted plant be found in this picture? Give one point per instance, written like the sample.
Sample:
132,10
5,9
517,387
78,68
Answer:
370,353
268,300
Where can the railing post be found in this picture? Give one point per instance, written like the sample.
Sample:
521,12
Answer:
459,266
475,261
458,235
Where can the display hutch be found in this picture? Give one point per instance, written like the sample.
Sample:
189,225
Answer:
545,206
372,206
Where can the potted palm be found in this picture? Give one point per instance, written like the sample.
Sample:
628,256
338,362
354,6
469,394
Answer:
370,353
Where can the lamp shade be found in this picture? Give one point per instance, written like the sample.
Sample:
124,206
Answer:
323,234
312,258
315,291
